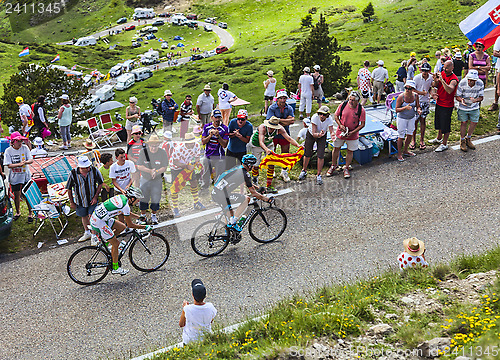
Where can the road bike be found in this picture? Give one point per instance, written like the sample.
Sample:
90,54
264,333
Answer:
90,264
265,224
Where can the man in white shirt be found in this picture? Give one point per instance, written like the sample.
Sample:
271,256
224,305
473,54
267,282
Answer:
196,319
205,105
379,76
306,89
121,172
470,93
26,115
423,84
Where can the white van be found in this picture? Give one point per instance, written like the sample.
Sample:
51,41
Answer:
84,41
179,20
150,57
106,92
125,81
91,103
142,73
87,80
143,13
116,70
128,65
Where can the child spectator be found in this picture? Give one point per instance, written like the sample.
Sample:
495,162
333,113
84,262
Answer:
108,189
121,172
413,254
38,151
196,319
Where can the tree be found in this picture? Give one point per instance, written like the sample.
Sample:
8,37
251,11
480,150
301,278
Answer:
319,48
33,80
306,21
368,12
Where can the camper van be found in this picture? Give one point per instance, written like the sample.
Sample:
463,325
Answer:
84,41
179,20
150,57
116,70
87,80
142,73
105,93
91,103
143,13
128,65
125,81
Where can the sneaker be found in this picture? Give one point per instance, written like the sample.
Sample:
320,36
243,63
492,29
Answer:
435,141
319,180
63,147
347,174
154,219
255,180
470,145
271,190
493,107
120,271
86,236
142,220
176,213
94,240
441,148
302,175
284,175
463,145
199,206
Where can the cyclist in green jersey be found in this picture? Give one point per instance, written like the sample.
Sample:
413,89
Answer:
103,222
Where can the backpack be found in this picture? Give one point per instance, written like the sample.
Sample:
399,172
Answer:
389,88
344,104
316,82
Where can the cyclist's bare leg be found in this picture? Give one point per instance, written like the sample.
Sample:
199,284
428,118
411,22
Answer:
243,206
118,227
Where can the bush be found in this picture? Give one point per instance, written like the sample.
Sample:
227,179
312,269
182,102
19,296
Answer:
153,85
345,48
306,21
312,10
374,48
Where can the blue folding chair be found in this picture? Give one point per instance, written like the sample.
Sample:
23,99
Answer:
56,169
43,208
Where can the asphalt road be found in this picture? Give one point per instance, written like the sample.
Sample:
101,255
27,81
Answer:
337,232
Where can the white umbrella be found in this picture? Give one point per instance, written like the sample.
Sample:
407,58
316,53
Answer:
107,106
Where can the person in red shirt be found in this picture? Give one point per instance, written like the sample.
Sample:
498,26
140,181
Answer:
446,82
134,147
350,118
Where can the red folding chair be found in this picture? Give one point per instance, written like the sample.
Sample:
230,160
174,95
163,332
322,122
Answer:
107,124
98,134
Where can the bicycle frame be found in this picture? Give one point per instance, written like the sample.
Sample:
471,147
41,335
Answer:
135,235
257,205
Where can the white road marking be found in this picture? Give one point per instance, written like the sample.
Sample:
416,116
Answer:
480,141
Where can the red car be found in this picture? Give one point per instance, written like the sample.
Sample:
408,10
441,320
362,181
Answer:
220,49
192,17
131,27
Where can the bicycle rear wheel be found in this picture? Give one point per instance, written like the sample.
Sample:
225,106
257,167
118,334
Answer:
149,253
210,238
88,265
267,224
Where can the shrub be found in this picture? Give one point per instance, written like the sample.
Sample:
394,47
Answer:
306,21
153,85
374,48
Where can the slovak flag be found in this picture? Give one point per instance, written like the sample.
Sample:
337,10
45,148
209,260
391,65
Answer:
57,58
24,52
483,23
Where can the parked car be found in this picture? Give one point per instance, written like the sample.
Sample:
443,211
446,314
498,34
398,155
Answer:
211,53
211,21
130,27
220,49
207,27
158,23
136,44
223,25
165,15
197,57
192,24
164,45
122,20
192,17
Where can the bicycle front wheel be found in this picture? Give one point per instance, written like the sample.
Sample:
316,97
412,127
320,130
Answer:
267,224
149,252
210,238
88,265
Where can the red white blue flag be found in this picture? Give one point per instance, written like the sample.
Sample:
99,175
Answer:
483,23
57,58
24,52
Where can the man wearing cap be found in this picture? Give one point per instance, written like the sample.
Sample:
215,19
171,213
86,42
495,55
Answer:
408,109
240,131
284,112
317,81
26,115
423,85
470,93
84,185
215,138
168,107
350,118
262,141
306,90
364,82
17,157
446,83
321,123
38,151
270,86
458,65
205,105
185,114
196,319
379,77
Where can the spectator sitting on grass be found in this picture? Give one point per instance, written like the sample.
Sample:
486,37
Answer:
413,254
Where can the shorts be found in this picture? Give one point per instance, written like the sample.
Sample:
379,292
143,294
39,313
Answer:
226,200
105,228
129,124
151,191
378,87
268,97
233,159
309,144
442,118
257,151
280,141
352,145
406,126
365,94
17,187
305,103
472,115
84,211
426,108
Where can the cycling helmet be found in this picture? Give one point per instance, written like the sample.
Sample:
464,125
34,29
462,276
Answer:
134,192
249,160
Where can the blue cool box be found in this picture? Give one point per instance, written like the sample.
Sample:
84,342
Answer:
4,144
363,156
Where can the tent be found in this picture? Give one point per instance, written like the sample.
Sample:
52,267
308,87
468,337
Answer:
177,37
180,45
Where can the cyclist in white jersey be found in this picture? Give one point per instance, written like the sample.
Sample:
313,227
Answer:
103,221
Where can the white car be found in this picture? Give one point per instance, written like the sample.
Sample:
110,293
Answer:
207,27
210,53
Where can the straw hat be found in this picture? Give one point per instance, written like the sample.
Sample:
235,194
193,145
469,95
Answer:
89,144
189,138
154,139
207,87
413,246
270,73
273,123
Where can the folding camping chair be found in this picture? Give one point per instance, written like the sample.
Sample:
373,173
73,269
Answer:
107,125
43,208
390,104
56,169
147,122
97,133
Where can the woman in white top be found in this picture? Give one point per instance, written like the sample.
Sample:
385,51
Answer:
65,117
226,97
270,86
132,113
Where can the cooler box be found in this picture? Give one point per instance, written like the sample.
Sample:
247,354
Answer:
363,156
4,144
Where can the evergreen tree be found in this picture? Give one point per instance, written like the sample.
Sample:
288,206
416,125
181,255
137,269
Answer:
319,48
306,21
31,81
368,12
